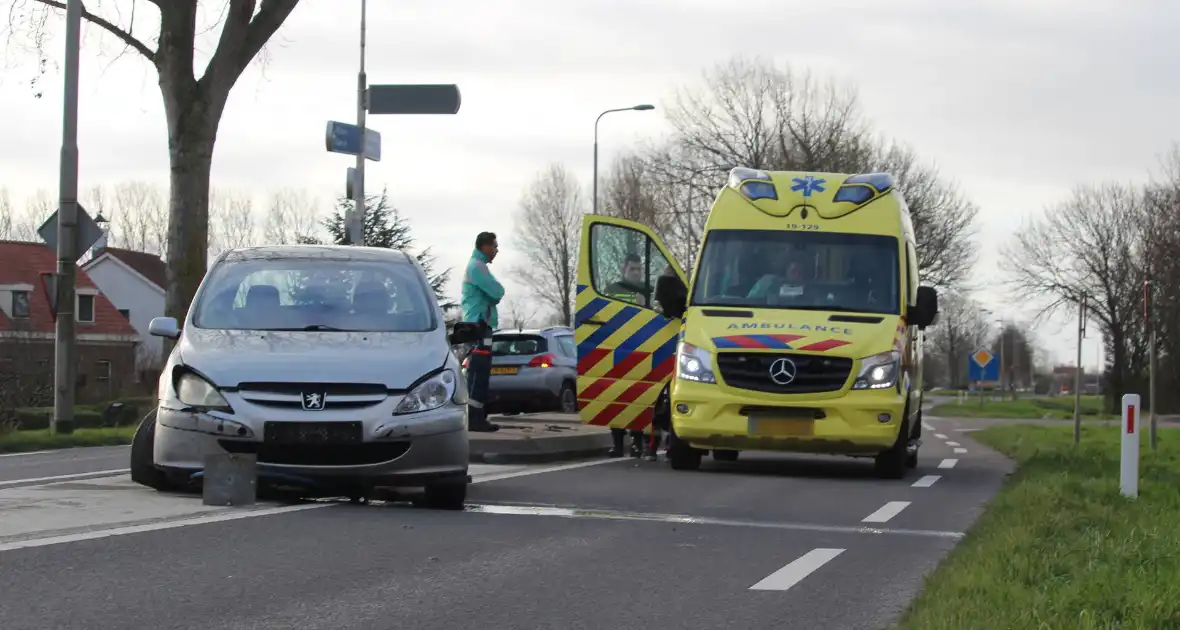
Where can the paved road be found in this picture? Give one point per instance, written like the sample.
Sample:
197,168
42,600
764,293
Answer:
73,461
769,541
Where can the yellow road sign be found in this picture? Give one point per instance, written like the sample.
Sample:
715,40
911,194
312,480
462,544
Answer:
982,357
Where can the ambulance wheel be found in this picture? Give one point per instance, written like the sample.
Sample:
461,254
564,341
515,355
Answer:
892,462
682,455
725,456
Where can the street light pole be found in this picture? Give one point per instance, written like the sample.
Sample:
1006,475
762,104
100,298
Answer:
67,232
1077,375
638,108
357,228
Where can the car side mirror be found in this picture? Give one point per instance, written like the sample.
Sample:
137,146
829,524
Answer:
925,311
672,296
164,327
466,332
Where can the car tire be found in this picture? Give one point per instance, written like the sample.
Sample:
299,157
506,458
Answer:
725,456
682,456
892,463
143,448
445,496
568,398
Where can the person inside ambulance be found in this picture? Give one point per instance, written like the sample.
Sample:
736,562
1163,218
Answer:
785,288
630,286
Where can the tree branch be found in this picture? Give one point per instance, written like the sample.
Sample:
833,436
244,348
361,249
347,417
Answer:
243,38
107,26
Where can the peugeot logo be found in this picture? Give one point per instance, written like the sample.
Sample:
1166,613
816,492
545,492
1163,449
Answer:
782,371
313,401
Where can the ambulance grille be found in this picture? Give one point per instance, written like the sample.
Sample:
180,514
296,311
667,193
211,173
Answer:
813,373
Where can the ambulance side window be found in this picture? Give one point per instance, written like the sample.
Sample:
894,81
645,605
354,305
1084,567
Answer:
621,264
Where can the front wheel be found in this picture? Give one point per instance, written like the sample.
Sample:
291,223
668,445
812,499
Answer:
683,456
569,398
143,448
893,462
445,496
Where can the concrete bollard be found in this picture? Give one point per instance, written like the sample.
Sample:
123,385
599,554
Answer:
230,479
1129,466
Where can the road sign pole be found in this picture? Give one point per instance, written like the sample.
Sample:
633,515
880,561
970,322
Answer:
1129,466
64,342
356,229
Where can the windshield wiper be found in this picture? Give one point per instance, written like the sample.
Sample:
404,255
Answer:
312,327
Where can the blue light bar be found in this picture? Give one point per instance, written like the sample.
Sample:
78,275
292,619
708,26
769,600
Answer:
880,181
759,190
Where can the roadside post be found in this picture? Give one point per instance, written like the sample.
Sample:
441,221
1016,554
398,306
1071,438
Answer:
1129,467
981,367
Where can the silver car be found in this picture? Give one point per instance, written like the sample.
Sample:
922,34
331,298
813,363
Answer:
331,364
533,370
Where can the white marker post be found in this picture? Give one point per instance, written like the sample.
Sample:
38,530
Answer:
1129,469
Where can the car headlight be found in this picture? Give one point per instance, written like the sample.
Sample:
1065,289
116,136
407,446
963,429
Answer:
194,391
430,394
878,371
694,364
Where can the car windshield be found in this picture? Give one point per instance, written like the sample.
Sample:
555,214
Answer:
799,270
517,345
315,295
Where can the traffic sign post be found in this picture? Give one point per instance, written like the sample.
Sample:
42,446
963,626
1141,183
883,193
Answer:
350,140
1129,466
982,366
415,99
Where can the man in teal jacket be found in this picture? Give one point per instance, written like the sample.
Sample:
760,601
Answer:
481,293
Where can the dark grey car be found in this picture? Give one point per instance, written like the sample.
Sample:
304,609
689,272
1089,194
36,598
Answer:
533,370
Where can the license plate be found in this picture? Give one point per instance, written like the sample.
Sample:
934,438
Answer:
313,432
781,427
505,370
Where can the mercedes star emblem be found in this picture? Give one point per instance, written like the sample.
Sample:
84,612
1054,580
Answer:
782,371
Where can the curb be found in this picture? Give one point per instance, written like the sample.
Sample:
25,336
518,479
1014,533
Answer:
540,450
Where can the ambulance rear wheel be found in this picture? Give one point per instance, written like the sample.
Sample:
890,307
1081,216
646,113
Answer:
683,456
725,456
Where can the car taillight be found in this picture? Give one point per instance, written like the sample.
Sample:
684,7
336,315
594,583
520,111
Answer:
466,360
543,361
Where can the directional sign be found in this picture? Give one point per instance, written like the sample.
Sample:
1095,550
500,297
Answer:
346,138
983,366
86,235
414,99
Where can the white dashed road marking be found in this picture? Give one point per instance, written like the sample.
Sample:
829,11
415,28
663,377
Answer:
794,572
948,463
940,436
888,511
927,481
960,450
927,427
952,443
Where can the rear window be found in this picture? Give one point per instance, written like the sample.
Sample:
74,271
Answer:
518,345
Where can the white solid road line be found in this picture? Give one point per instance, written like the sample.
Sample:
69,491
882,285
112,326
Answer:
89,475
888,511
940,436
794,572
231,515
927,481
948,463
952,443
59,451
960,450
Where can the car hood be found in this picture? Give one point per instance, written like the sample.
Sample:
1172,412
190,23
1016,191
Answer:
800,331
230,357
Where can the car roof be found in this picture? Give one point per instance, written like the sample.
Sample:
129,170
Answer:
322,252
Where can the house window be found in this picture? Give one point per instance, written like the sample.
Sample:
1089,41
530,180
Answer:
86,308
125,312
103,373
20,304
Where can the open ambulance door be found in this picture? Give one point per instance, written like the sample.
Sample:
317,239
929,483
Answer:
626,346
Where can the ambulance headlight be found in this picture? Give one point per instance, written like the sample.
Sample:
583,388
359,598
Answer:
878,371
694,364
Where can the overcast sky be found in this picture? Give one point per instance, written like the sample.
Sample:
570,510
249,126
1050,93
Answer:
1016,100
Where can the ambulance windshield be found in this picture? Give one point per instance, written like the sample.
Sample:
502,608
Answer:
821,271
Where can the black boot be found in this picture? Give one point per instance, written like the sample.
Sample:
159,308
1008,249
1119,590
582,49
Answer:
616,436
636,444
477,422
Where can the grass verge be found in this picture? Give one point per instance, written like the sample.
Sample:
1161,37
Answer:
41,440
1056,408
1059,547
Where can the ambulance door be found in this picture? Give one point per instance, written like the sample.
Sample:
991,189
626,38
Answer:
626,347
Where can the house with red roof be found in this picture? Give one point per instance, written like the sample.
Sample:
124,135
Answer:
135,282
106,340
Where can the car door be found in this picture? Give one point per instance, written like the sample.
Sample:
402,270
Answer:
626,348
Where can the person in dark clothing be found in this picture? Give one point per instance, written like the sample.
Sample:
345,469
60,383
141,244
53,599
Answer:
629,288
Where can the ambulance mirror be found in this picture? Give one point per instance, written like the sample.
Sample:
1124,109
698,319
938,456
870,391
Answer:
672,296
925,311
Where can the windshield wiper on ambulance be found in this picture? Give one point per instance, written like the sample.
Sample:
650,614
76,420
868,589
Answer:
312,327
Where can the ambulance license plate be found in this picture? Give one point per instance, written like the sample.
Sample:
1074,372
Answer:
781,427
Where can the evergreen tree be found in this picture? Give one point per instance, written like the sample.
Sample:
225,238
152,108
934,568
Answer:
385,227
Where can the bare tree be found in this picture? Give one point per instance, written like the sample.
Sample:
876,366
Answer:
962,327
1163,269
548,224
1089,247
38,209
6,215
293,217
755,114
192,106
516,313
232,220
140,221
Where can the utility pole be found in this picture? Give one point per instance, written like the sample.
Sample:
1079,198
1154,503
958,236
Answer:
67,232
357,226
1147,308
1003,368
1077,375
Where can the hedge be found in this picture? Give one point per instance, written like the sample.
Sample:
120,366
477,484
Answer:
87,416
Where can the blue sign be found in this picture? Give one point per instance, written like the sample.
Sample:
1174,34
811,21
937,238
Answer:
983,366
348,139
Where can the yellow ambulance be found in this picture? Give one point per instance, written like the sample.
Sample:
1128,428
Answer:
798,330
